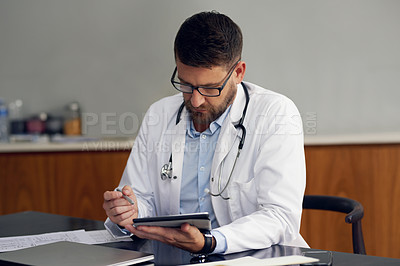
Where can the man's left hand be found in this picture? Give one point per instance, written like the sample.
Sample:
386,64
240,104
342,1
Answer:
187,237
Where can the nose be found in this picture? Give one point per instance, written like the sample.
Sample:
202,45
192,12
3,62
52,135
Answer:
197,99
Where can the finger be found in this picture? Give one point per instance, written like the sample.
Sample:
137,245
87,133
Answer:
118,202
189,230
123,219
172,236
160,233
117,206
110,195
185,227
120,210
126,219
143,234
130,228
127,190
156,230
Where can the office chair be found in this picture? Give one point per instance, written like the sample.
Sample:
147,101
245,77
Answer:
354,210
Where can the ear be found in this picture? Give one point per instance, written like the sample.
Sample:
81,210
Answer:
239,72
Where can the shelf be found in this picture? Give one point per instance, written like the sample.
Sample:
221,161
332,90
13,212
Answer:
102,145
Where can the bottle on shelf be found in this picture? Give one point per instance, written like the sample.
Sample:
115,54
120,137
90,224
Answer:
72,123
36,125
16,118
3,121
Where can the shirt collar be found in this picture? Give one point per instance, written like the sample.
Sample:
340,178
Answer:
214,126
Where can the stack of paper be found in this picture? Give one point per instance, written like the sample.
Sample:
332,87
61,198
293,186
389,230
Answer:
79,236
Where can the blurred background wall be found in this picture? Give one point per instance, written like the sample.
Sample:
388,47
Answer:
338,60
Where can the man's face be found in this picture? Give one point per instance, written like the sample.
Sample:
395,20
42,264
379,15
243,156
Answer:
203,109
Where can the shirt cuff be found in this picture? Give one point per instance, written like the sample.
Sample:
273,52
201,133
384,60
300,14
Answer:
221,242
115,230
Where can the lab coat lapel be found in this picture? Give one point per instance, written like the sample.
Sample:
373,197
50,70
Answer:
225,142
178,150
229,133
225,145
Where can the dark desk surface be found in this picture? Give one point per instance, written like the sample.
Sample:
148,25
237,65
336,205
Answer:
29,223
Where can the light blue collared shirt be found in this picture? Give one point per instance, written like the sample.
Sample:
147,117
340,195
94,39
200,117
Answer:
199,153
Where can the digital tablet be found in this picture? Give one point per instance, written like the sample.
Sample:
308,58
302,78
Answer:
200,220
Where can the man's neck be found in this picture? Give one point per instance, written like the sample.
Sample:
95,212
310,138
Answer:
200,127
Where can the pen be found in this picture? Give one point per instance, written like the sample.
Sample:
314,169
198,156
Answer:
126,197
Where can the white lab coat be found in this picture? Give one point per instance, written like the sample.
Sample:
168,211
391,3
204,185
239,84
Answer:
268,182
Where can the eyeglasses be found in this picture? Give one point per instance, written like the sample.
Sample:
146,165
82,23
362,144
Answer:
205,91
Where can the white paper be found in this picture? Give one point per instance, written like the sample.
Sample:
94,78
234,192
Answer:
103,236
285,260
79,236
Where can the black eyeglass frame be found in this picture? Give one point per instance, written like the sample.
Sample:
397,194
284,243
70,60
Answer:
197,87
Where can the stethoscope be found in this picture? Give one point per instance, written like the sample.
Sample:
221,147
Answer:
166,169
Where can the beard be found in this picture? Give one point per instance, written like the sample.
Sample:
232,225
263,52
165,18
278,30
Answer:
213,112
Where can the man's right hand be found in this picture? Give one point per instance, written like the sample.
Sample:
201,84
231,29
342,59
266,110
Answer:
118,209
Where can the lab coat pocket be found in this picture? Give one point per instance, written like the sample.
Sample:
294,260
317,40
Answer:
244,198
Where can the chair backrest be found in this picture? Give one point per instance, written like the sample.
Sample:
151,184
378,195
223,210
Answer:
352,208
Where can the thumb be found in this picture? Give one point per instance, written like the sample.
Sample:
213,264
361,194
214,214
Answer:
185,227
127,190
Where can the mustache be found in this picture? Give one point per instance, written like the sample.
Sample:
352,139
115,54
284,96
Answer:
192,109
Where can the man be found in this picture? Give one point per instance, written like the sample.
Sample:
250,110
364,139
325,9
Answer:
255,199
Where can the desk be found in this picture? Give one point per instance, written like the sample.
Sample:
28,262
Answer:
26,223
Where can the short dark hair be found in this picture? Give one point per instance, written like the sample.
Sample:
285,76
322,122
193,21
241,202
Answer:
208,39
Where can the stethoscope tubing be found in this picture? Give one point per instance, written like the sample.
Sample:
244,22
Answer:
166,169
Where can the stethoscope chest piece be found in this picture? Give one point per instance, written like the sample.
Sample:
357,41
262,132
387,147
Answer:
166,171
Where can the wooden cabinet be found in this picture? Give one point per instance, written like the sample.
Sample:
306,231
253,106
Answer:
369,174
67,183
72,183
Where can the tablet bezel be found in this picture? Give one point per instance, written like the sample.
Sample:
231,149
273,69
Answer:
200,220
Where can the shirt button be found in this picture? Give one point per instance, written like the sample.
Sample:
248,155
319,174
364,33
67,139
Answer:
203,136
202,168
202,198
